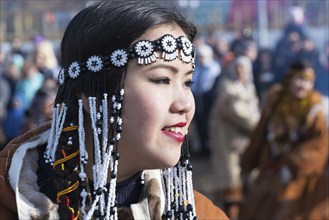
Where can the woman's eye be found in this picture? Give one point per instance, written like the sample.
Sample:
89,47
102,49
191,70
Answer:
161,81
189,83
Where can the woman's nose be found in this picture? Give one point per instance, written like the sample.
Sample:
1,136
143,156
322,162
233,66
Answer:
183,102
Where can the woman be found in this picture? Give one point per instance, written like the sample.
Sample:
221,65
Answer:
289,149
233,119
119,122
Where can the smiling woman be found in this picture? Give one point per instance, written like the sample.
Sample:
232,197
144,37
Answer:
116,147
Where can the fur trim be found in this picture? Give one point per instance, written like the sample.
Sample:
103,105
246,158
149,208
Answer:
152,205
23,179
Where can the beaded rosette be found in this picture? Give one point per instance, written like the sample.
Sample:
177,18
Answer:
106,127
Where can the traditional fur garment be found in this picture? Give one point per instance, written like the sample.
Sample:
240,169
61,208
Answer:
292,181
18,171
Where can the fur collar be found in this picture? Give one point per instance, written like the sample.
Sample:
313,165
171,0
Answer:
32,203
23,179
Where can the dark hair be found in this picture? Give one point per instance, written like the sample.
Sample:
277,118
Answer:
99,30
300,65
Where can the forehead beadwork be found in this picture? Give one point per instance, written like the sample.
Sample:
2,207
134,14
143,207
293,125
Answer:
187,49
169,47
144,50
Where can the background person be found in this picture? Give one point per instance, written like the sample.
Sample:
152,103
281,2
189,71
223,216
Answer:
233,119
289,148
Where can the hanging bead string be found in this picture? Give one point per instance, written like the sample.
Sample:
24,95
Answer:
117,129
172,192
56,129
50,143
190,195
175,205
98,169
168,193
178,188
83,158
105,124
103,207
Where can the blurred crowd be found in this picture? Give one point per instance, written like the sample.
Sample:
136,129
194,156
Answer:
234,85
28,84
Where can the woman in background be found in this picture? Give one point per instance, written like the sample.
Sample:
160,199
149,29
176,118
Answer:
289,148
233,119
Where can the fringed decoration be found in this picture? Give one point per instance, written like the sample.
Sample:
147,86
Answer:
178,189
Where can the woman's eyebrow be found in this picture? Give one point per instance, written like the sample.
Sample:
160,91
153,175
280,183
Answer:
172,69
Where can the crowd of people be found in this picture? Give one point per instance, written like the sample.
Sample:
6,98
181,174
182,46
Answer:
261,117
28,87
264,112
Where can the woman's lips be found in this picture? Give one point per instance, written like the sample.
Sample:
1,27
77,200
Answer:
175,131
178,136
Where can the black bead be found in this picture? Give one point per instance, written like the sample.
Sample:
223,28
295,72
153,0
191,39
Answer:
189,207
173,205
98,123
119,129
186,156
186,215
97,214
112,212
195,218
115,155
113,174
181,209
183,163
83,184
121,99
189,167
164,217
177,215
112,141
99,191
169,215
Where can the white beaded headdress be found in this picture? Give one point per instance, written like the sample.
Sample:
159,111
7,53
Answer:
106,126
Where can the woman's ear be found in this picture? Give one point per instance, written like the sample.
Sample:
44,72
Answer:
85,103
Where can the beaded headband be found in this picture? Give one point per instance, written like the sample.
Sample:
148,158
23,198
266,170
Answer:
144,51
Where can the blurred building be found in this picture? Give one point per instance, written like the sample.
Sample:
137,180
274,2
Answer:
31,17
235,14
49,18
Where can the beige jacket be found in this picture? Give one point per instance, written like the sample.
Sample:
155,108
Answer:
232,120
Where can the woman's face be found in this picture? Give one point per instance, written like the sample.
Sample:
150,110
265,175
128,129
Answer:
300,86
157,110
